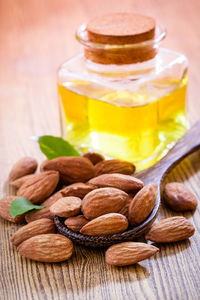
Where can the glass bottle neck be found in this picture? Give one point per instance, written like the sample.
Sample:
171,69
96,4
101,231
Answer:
135,70
121,60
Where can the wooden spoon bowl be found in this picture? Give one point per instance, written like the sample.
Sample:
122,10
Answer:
189,143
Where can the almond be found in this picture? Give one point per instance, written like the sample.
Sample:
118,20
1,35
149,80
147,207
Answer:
106,224
53,198
39,214
129,253
123,182
94,157
178,197
34,228
66,207
71,168
24,166
38,188
47,248
5,204
102,201
18,182
76,223
142,204
170,230
77,190
45,212
114,166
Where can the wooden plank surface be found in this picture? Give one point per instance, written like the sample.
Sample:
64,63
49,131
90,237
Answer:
35,37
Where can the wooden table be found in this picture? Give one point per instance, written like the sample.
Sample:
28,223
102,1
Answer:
35,37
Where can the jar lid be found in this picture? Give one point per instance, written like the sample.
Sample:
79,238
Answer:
121,28
122,38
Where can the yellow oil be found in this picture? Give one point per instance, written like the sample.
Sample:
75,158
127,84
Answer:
136,126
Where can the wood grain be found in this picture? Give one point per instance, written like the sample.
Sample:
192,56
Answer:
37,36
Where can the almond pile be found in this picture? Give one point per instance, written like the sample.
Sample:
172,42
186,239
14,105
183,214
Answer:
97,197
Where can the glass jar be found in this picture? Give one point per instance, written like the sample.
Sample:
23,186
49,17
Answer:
125,100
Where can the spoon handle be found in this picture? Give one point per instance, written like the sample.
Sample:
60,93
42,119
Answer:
189,143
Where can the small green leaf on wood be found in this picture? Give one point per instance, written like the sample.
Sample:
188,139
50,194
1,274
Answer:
22,205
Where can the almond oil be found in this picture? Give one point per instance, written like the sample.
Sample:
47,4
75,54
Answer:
124,101
129,126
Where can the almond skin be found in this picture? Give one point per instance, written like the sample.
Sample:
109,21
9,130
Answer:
103,201
178,197
45,212
94,157
24,166
142,204
170,230
38,188
71,168
126,183
129,253
18,182
47,248
114,166
76,223
5,204
39,214
38,227
66,207
78,189
106,224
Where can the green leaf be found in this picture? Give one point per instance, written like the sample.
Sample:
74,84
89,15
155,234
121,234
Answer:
53,147
21,205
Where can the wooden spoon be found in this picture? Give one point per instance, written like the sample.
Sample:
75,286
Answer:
189,143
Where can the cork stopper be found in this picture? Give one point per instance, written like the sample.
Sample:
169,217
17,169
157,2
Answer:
123,30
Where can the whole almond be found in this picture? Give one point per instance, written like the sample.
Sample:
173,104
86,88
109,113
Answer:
178,197
170,230
78,189
76,223
71,168
47,248
114,166
142,204
66,207
24,166
106,224
123,182
53,198
39,214
129,253
103,201
5,204
94,157
38,188
38,227
18,182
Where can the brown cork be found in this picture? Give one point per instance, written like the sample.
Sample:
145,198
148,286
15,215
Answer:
120,28
119,57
